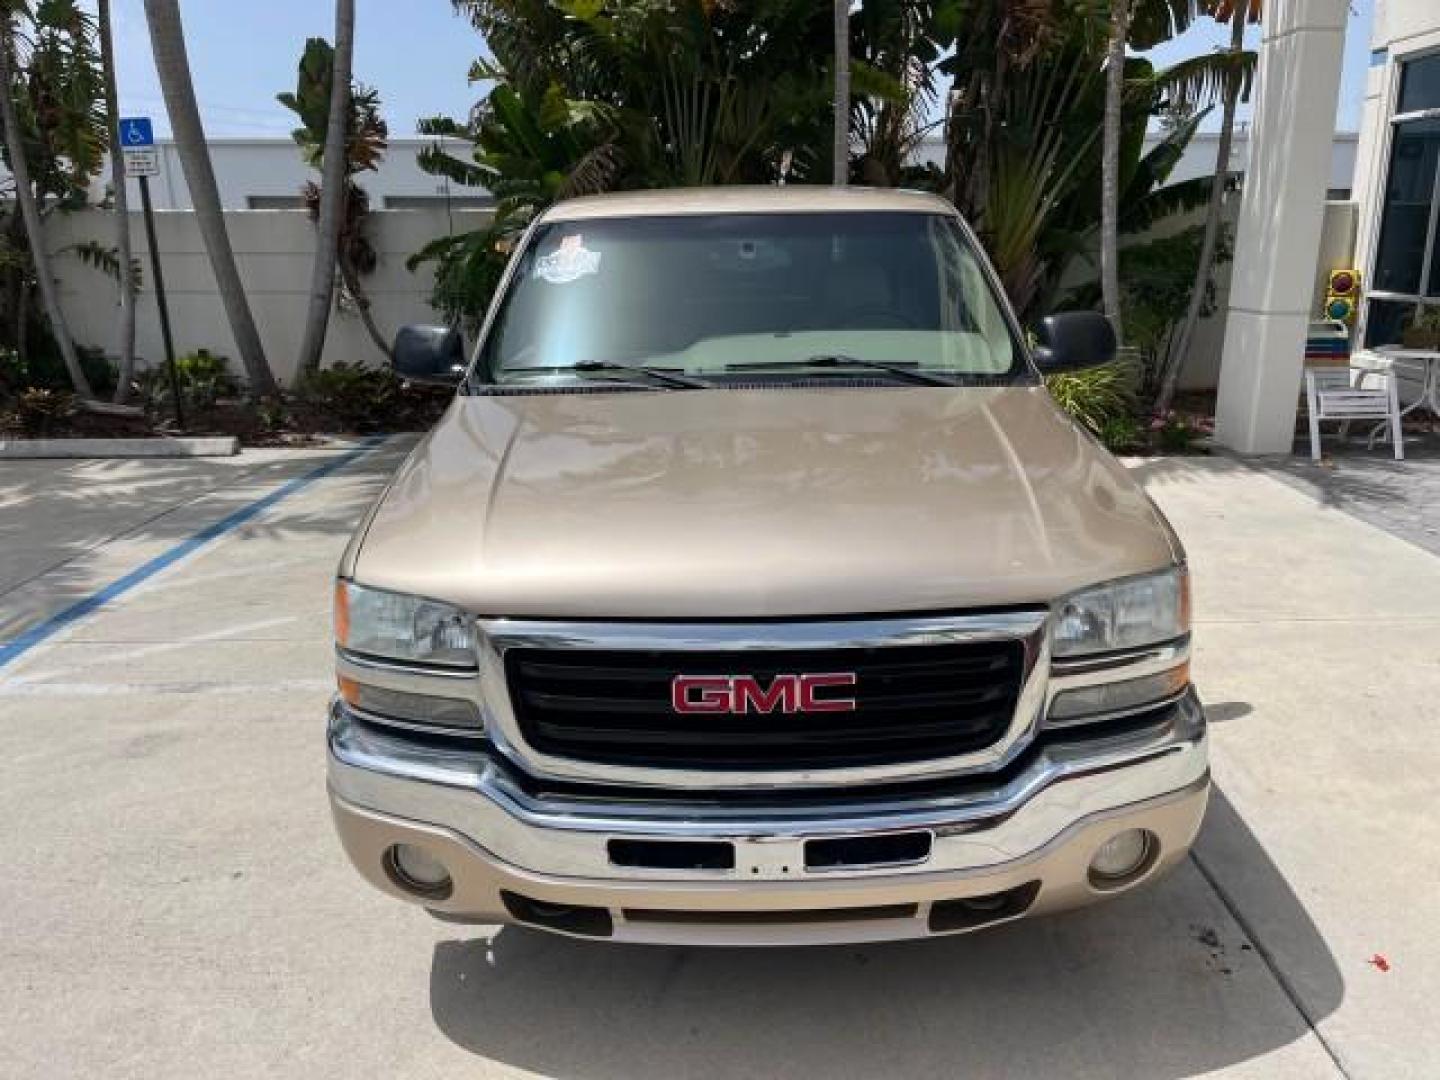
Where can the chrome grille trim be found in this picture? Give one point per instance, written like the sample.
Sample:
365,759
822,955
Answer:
500,635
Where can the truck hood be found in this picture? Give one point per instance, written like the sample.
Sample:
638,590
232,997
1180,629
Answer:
757,503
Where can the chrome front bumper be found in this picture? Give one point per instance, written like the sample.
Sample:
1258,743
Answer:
1029,834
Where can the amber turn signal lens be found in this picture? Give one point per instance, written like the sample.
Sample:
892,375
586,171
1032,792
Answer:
342,613
349,690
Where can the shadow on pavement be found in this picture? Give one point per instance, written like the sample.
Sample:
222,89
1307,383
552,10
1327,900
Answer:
1158,984
48,558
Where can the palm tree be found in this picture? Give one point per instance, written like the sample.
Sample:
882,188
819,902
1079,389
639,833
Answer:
30,212
333,183
167,40
841,147
122,216
1110,163
1141,24
1234,74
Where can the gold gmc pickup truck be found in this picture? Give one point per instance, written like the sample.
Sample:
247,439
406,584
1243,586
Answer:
752,590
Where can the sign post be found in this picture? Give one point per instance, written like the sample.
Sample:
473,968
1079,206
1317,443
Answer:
142,161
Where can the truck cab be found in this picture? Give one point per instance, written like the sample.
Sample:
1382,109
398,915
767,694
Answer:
753,590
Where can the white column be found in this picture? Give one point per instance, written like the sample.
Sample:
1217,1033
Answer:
1278,235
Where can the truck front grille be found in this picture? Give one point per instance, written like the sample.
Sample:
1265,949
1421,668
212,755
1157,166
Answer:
912,703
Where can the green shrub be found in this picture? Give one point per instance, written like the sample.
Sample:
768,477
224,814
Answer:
203,377
353,397
349,397
39,411
1122,435
43,367
1097,396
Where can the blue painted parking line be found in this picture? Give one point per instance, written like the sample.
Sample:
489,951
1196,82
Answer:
17,647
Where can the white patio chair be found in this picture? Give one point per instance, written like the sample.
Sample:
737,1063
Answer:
1353,393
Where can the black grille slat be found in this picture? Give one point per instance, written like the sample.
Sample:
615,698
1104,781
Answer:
936,729
913,703
653,706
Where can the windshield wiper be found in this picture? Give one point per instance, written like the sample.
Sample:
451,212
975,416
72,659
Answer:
913,373
673,379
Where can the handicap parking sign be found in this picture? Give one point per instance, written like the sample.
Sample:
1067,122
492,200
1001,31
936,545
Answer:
136,133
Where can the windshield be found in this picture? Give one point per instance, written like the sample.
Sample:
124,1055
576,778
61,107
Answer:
707,294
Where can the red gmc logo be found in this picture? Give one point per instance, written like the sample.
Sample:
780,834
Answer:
744,694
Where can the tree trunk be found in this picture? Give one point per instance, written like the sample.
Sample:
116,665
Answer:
167,40
840,161
1178,353
122,216
332,193
30,214
1110,163
362,306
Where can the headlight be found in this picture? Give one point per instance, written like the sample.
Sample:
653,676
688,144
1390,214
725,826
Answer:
1126,614
374,622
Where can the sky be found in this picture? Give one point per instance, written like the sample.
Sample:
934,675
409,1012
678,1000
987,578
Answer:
416,54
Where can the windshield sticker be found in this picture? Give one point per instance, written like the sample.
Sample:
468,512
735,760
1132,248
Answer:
570,262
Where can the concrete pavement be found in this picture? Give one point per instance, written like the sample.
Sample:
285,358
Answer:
175,904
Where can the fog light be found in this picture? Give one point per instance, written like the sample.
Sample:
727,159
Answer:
416,869
1122,857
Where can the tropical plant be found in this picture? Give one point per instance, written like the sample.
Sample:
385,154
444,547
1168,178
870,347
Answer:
1139,24
54,137
529,153
596,95
840,109
363,135
1231,79
203,379
167,41
1110,163
888,124
1097,397
1156,284
590,96
38,412
332,83
1122,435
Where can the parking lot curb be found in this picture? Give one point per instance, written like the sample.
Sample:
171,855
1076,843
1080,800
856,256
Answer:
179,446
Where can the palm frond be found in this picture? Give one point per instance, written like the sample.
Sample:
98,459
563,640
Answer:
102,258
594,172
435,161
1201,80
1165,202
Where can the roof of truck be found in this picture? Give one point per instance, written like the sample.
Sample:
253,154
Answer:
796,198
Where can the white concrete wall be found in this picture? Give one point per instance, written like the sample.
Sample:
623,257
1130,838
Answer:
273,167
1402,29
274,250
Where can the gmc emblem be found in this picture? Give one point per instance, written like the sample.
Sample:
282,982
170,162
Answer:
744,694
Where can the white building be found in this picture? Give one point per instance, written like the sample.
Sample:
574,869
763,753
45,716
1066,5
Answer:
268,174
1398,169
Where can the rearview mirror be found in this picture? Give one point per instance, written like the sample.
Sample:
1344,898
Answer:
429,354
1071,340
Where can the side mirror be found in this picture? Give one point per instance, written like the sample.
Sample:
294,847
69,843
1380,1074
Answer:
429,354
1072,340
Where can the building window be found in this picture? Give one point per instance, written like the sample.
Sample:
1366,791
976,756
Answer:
275,202
1420,85
1406,273
430,202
